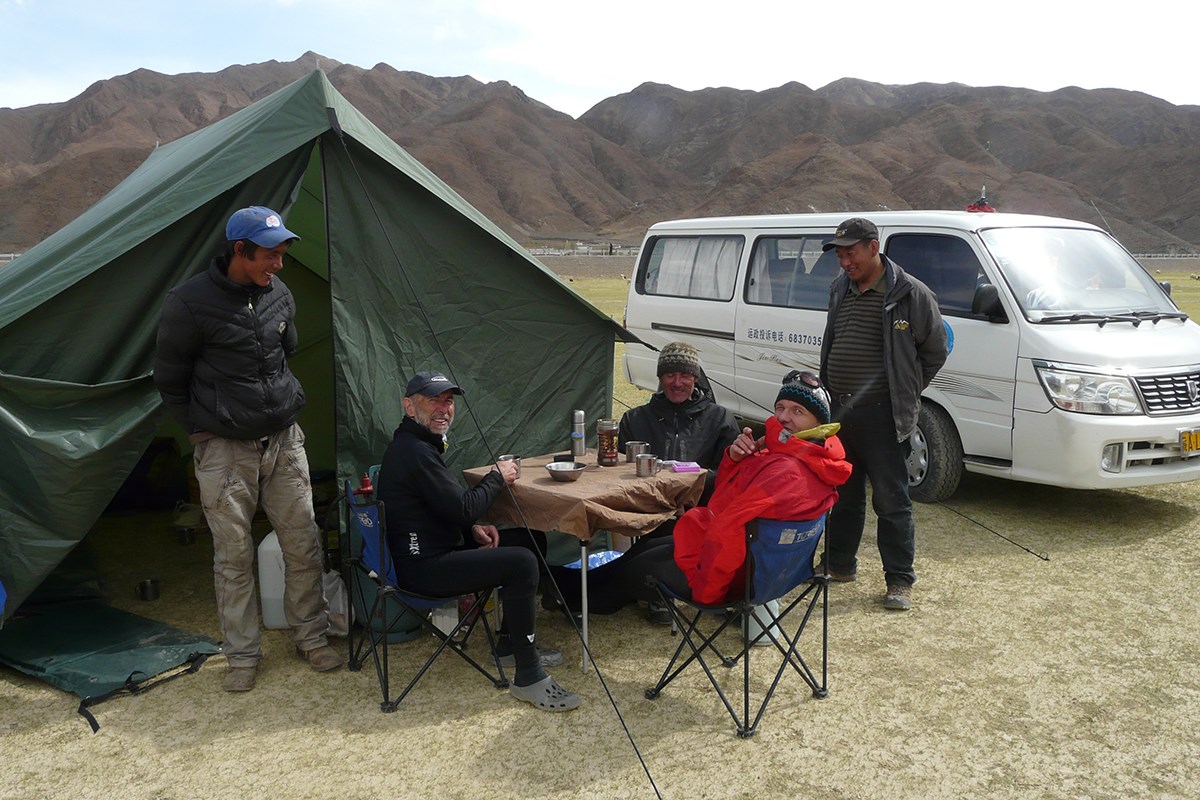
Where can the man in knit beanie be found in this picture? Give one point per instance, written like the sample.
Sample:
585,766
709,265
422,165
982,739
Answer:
681,421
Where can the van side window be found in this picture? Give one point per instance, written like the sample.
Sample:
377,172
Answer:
791,272
946,264
703,267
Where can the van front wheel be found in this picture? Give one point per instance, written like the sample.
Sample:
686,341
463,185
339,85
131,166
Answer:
935,463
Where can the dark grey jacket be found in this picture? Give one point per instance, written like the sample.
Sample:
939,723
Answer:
695,430
914,340
221,365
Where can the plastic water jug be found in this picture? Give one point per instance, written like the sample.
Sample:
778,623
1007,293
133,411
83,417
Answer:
270,582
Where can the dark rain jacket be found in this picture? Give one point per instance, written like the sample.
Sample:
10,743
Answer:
221,364
695,430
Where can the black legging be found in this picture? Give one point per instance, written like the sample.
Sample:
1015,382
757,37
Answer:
512,566
614,585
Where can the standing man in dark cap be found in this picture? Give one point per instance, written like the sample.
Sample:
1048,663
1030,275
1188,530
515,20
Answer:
440,550
221,367
884,341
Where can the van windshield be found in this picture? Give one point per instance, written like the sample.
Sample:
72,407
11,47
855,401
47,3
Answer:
1074,275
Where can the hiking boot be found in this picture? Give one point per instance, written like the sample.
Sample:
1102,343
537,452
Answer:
898,597
657,613
834,575
552,603
239,679
321,659
188,516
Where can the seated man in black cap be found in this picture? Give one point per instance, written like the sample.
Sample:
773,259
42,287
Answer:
439,550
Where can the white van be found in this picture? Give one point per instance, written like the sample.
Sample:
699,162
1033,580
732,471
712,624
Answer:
1069,364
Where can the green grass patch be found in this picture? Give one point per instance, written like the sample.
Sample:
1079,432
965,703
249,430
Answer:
608,294
1184,291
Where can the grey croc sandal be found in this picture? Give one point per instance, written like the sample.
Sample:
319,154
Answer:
547,695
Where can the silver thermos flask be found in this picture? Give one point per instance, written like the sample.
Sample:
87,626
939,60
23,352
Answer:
578,442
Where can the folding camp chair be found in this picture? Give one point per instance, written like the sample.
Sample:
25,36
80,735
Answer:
372,572
779,558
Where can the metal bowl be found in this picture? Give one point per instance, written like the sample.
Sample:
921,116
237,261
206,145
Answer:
566,470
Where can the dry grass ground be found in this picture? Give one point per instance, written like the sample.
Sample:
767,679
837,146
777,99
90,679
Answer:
1014,677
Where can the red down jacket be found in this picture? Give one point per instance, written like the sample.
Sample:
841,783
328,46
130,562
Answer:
790,480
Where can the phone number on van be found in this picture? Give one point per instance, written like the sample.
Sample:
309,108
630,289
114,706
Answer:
790,337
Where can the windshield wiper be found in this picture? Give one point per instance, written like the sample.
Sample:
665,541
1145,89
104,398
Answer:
1100,319
1155,316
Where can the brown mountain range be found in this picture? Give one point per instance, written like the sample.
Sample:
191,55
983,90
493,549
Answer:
1120,159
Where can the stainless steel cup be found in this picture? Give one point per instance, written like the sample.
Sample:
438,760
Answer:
646,465
635,449
513,458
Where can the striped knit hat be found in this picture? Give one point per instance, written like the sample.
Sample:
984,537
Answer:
805,388
679,357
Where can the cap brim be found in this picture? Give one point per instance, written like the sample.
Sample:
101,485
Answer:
843,242
273,237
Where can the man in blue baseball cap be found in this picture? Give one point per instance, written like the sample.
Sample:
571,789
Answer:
224,338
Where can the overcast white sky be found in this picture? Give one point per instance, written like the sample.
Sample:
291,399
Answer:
571,55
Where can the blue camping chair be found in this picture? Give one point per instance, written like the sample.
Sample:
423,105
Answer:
373,584
779,559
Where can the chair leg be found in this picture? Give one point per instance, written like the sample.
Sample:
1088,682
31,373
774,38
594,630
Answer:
771,624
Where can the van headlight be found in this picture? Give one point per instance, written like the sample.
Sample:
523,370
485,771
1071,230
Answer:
1088,393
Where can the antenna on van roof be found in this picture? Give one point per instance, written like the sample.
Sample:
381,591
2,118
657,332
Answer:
1107,227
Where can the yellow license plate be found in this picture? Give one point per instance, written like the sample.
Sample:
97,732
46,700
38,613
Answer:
1189,442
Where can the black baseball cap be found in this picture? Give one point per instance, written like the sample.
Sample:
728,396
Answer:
851,232
430,384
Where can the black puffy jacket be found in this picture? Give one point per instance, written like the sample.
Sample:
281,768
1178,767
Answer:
221,365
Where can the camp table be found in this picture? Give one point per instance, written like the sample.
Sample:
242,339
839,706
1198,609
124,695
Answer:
611,499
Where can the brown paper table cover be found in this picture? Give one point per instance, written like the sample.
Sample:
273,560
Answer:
603,498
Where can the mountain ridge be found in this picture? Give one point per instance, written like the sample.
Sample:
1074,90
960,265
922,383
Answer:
1121,159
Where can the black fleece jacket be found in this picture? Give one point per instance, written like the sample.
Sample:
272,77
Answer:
427,511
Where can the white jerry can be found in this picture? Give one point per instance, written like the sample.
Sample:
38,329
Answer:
270,582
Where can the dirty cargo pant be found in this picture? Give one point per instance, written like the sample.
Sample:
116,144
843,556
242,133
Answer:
234,476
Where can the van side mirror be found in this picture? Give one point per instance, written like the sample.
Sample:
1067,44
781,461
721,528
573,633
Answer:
1166,287
986,303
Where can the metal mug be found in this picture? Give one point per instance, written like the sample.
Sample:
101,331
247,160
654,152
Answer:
646,465
515,459
635,449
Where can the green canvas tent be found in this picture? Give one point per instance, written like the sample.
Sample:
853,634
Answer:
394,270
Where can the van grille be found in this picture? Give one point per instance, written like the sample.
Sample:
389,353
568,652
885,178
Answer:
1171,394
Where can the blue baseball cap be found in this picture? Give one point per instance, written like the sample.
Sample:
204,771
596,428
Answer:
260,225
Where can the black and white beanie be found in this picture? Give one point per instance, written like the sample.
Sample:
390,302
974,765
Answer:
805,388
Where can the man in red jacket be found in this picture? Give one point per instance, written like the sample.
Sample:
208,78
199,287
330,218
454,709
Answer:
792,473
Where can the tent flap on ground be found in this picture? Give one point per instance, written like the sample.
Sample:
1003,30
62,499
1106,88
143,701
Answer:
394,273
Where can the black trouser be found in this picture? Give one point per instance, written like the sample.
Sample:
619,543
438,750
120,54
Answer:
512,566
616,584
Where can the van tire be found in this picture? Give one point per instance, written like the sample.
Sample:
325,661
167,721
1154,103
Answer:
935,463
